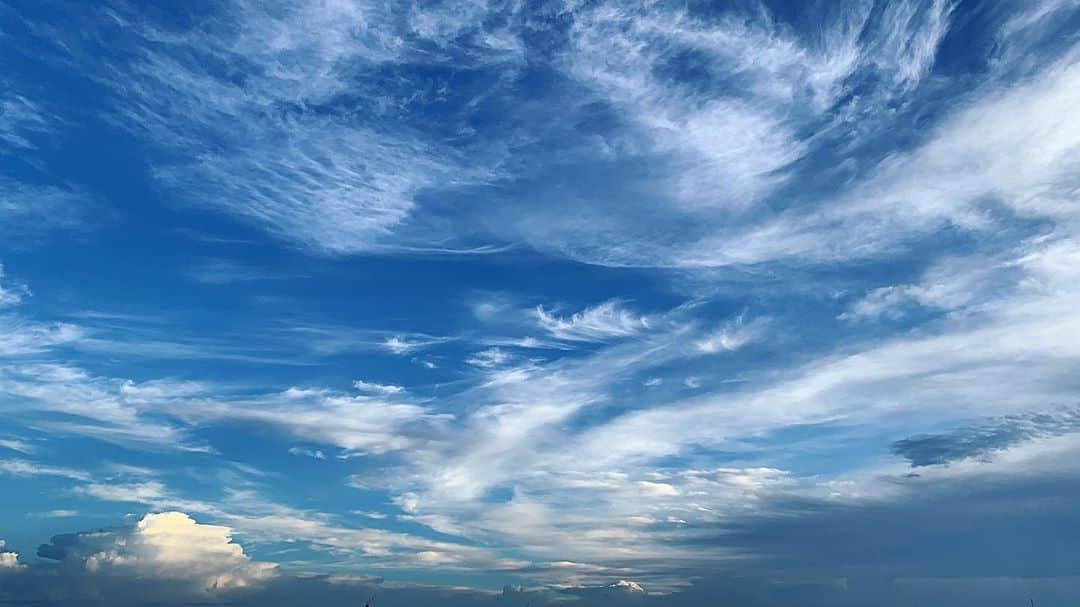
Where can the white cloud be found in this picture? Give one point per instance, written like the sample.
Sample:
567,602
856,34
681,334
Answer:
93,406
225,271
657,489
951,181
21,119
16,445
28,210
155,413
19,337
8,560
608,320
24,468
732,336
729,152
406,344
58,513
724,140
11,295
260,520
361,423
148,492
488,359
312,453
334,182
574,444
376,388
170,545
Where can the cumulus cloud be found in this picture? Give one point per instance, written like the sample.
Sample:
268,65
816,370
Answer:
167,545
8,559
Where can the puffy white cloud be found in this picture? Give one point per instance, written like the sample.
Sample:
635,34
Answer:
169,546
8,559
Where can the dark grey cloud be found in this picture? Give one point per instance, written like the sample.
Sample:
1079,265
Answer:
972,532
983,439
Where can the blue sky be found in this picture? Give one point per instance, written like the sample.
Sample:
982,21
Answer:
772,303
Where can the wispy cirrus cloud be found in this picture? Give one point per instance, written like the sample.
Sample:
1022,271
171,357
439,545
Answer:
11,294
277,149
604,321
898,216
25,468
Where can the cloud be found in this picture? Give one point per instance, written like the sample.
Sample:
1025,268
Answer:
312,453
728,110
156,413
657,489
11,295
488,359
362,422
376,388
145,492
952,181
406,344
608,320
813,148
21,119
58,513
167,545
24,468
16,445
8,560
984,439
274,147
224,271
21,337
733,335
30,210
91,405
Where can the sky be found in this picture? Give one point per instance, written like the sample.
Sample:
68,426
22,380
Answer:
499,303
